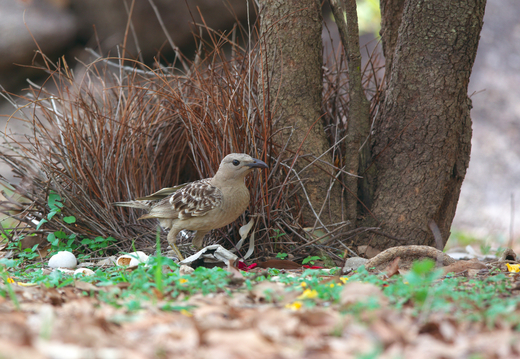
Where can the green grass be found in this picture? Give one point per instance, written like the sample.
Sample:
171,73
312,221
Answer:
421,292
60,240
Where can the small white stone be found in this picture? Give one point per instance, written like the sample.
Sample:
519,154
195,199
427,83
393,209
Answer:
353,263
63,259
184,270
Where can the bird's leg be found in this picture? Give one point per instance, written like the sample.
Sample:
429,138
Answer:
197,240
172,239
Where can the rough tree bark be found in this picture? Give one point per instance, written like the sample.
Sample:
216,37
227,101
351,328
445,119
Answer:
422,142
292,91
420,145
391,16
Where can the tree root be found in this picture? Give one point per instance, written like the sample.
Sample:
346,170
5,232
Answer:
408,254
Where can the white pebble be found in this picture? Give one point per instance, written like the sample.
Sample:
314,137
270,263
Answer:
63,259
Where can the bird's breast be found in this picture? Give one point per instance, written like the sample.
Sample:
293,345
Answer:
236,201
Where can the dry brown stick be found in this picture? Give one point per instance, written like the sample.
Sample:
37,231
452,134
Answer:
178,55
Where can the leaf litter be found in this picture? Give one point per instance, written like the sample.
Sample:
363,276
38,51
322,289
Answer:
262,313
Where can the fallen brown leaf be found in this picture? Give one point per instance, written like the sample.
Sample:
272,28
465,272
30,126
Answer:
87,286
276,325
232,344
393,268
354,292
237,278
270,292
279,264
461,266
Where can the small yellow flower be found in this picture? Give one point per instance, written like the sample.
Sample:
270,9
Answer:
185,313
10,280
331,285
308,294
303,284
294,306
183,280
513,268
343,279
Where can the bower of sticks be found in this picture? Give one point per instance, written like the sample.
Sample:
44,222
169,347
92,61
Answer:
116,129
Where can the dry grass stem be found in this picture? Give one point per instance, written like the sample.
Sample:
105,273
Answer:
115,130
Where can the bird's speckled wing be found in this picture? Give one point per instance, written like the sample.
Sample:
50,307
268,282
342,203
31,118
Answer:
165,192
194,200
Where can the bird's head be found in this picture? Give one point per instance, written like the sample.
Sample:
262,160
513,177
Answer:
236,166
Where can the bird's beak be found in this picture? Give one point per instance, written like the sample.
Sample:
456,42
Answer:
257,164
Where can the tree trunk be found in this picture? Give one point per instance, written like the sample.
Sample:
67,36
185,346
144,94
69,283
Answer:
292,93
422,142
391,16
358,129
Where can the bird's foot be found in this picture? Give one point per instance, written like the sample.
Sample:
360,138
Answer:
177,251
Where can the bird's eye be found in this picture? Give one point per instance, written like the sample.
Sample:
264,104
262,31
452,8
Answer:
236,162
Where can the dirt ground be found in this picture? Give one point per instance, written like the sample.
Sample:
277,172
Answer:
262,321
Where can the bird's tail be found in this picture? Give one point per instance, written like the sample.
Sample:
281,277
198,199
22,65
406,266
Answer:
133,204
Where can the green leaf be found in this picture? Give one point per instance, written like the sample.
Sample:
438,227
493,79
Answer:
60,234
54,201
9,263
308,259
42,222
87,241
69,219
53,213
423,267
52,238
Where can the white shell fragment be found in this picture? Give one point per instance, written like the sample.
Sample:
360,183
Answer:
84,271
107,262
63,259
213,252
132,259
